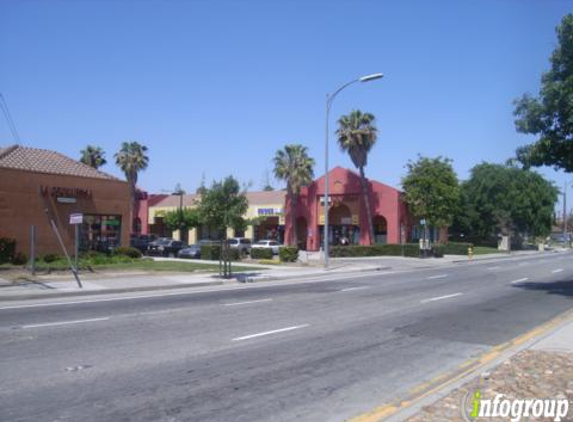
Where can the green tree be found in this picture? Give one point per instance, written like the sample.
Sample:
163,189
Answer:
295,167
550,115
184,219
223,206
507,200
93,156
357,135
432,190
132,159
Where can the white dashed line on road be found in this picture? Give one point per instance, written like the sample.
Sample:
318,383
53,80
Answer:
350,289
266,333
441,298
521,280
558,270
55,324
434,277
247,302
493,268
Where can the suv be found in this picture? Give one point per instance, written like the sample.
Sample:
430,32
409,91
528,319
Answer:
141,241
243,244
165,246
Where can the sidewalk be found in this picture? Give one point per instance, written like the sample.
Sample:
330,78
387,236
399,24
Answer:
45,286
50,286
539,366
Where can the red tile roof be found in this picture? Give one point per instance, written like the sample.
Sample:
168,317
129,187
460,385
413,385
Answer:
46,161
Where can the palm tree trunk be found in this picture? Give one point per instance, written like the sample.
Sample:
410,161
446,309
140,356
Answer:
367,205
131,205
293,203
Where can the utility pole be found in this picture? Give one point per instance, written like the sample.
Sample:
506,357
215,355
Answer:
565,210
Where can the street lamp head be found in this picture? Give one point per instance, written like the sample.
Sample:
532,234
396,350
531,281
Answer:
372,77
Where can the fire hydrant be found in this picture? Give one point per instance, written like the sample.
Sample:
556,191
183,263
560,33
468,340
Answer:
470,252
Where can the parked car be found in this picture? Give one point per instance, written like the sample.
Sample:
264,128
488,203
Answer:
268,244
241,243
190,252
142,241
165,246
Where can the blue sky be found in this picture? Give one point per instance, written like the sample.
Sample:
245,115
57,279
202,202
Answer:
216,87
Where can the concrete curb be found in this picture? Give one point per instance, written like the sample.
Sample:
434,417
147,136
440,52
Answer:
430,392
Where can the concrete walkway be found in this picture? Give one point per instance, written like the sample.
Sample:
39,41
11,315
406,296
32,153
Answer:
58,285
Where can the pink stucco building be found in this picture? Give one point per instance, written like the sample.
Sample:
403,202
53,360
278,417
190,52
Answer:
347,213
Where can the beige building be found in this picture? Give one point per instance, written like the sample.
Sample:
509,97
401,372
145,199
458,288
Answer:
266,213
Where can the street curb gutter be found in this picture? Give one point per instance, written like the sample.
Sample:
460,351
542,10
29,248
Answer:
106,291
61,294
429,392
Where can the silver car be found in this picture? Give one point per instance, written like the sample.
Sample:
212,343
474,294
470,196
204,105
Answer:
268,244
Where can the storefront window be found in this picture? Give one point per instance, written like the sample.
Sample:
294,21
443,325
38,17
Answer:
100,232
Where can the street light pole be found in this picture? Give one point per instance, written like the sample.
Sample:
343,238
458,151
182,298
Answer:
180,192
329,100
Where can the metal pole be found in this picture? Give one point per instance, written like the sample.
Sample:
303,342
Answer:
77,246
564,210
61,242
33,249
325,233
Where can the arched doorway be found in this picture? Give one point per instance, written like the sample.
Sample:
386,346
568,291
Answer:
341,229
301,232
380,230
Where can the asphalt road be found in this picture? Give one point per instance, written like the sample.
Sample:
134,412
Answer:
297,351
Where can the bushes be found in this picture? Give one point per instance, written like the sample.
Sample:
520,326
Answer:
408,249
7,249
213,253
128,251
19,258
261,253
288,253
50,257
455,248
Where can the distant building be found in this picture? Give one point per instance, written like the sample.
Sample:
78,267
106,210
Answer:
347,212
266,212
38,185
269,214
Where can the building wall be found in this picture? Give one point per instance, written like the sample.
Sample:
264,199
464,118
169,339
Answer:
345,187
23,205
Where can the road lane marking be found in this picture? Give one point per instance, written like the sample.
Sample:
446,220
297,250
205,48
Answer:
266,333
521,280
350,289
434,277
558,270
433,299
493,268
54,324
248,302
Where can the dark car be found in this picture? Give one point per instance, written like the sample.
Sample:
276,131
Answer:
190,252
165,246
142,241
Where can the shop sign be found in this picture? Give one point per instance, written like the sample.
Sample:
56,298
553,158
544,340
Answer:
76,218
270,211
64,193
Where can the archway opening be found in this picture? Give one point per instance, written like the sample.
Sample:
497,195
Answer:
380,230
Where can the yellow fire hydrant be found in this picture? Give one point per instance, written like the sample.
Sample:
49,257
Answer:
470,252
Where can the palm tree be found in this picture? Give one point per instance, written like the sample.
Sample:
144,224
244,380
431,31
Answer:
131,159
357,135
295,167
93,156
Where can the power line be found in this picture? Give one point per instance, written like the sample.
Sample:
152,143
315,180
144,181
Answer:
9,120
